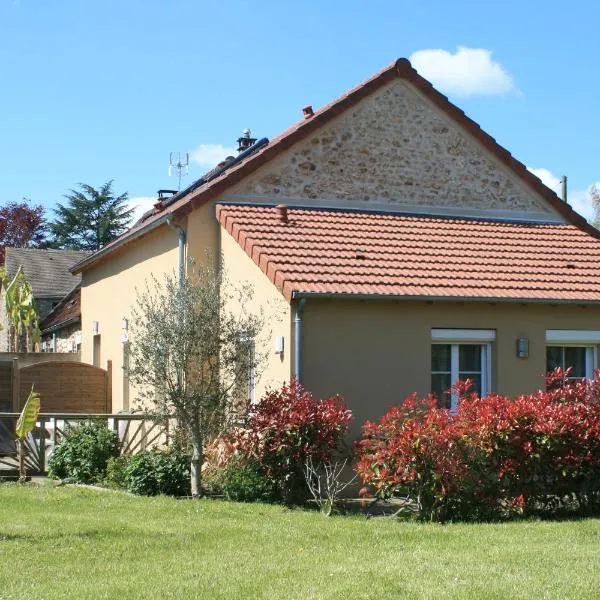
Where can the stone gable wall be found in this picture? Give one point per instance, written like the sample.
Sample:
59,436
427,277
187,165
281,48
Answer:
392,150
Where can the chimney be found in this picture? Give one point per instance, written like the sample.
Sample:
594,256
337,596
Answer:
162,196
245,141
282,211
308,111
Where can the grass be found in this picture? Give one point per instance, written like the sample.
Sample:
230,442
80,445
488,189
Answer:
78,543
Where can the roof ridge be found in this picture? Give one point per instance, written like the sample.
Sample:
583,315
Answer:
401,68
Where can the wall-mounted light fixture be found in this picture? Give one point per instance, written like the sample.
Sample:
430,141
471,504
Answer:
124,331
522,347
279,344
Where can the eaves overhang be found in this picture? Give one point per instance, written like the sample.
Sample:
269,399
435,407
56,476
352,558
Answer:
296,296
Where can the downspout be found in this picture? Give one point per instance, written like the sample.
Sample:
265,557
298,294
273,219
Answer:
182,239
298,326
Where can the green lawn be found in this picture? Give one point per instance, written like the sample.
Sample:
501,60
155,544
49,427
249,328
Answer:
78,543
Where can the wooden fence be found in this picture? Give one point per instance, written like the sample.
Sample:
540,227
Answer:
6,372
64,387
137,433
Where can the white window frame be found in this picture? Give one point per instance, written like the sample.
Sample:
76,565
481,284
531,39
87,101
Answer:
456,337
583,338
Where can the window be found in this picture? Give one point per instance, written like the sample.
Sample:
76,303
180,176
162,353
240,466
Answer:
459,354
576,349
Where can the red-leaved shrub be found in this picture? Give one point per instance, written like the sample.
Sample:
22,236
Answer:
284,429
496,456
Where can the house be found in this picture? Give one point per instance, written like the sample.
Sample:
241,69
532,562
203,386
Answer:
394,244
61,329
48,273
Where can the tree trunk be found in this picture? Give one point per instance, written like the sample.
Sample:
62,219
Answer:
196,462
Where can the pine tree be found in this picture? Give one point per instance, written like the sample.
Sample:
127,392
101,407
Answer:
91,218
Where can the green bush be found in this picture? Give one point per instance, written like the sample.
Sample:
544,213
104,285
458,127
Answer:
245,482
153,472
115,472
84,452
284,429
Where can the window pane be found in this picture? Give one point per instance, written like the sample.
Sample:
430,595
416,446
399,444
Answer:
440,357
476,378
440,384
575,358
553,358
469,357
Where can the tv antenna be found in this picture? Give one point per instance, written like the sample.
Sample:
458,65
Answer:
180,163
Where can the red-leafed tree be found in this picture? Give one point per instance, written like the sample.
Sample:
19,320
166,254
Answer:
22,225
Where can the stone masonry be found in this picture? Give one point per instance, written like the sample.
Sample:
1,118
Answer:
393,150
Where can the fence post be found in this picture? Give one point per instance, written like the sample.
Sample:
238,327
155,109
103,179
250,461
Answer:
42,434
16,386
108,407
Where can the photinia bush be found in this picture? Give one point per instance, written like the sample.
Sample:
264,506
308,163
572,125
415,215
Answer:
284,429
497,456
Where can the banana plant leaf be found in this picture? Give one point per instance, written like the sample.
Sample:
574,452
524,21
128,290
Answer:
29,415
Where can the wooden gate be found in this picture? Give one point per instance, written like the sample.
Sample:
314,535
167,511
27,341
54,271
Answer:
64,387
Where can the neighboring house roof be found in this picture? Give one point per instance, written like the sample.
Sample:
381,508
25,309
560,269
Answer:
66,312
48,271
219,180
354,253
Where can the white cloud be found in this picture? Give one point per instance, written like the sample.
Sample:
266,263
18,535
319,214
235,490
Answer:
140,204
209,155
580,200
548,178
467,72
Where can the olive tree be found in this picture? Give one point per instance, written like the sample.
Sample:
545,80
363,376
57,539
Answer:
191,353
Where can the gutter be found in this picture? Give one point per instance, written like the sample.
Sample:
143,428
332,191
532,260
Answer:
182,239
61,325
424,298
298,331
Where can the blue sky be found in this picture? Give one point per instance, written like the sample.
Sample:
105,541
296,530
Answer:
92,91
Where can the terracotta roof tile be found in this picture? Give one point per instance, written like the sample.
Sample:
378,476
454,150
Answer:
348,252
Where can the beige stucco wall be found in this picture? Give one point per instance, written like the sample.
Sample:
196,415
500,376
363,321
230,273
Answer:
202,234
377,352
241,269
108,290
108,293
397,151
